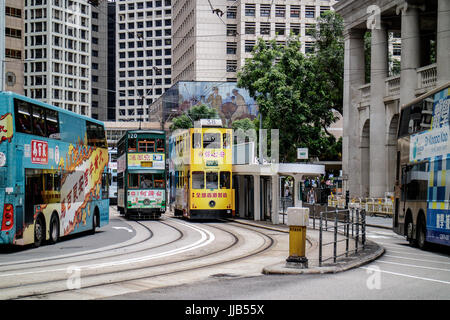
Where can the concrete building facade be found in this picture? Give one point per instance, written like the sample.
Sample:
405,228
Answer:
371,110
58,53
11,45
143,56
212,39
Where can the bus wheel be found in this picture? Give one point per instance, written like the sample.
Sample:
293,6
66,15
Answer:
410,231
54,229
39,231
421,232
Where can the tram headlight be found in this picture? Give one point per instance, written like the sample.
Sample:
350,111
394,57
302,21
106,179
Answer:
212,203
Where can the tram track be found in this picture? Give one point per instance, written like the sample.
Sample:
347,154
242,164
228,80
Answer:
161,269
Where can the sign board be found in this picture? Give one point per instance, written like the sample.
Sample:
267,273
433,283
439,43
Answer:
302,153
39,152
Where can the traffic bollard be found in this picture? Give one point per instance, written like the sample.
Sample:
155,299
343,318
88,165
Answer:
298,220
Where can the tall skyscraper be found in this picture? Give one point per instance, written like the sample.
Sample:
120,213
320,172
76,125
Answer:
212,38
143,55
58,53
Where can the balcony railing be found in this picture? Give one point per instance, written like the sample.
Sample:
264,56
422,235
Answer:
426,78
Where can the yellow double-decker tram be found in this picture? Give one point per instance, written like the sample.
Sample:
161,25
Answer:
201,171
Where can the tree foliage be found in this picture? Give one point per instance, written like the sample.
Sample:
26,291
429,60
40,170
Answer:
297,93
186,120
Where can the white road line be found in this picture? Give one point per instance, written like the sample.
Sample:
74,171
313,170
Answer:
412,265
417,254
404,275
431,261
206,238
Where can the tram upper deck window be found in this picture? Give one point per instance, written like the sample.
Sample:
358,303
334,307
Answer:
226,140
133,181
146,145
132,145
198,180
160,145
211,140
197,140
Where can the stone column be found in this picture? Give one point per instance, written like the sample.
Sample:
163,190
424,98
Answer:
353,78
275,199
410,59
443,42
378,75
257,197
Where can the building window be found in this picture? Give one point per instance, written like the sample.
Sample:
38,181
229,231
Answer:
323,9
309,29
265,10
249,44
310,12
295,11
280,11
264,28
295,28
231,47
250,28
280,28
231,12
231,29
250,10
231,65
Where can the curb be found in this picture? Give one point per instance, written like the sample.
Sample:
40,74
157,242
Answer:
375,251
281,268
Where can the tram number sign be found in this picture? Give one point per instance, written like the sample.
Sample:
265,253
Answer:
147,164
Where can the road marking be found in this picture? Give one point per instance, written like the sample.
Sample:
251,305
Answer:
432,261
412,265
404,275
206,238
123,228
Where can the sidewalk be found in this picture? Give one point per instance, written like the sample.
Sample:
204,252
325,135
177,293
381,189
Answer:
371,252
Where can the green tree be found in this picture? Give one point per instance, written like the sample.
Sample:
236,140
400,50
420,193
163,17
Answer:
244,124
295,93
186,120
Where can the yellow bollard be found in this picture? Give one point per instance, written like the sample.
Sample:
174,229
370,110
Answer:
298,220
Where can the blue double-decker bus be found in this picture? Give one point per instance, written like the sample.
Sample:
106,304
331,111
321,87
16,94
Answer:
53,172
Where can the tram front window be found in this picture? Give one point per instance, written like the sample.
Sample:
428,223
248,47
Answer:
212,180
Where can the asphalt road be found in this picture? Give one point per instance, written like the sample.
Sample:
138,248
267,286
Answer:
402,273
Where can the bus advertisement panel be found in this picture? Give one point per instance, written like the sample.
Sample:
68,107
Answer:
53,172
422,210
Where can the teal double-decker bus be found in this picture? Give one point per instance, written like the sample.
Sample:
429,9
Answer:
141,174
53,172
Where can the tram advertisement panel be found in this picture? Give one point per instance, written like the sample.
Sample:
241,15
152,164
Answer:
146,199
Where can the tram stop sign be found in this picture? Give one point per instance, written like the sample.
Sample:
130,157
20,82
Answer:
302,153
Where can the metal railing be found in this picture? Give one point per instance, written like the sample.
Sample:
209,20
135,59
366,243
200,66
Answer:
351,223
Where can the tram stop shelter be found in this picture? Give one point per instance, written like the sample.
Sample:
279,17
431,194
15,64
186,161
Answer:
258,191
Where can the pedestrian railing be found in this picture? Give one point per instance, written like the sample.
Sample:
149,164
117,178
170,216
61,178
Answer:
351,223
373,206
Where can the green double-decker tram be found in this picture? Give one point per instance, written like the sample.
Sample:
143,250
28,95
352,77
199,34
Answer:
141,174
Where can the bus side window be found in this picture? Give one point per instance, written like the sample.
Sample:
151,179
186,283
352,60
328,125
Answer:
52,124
23,116
39,121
